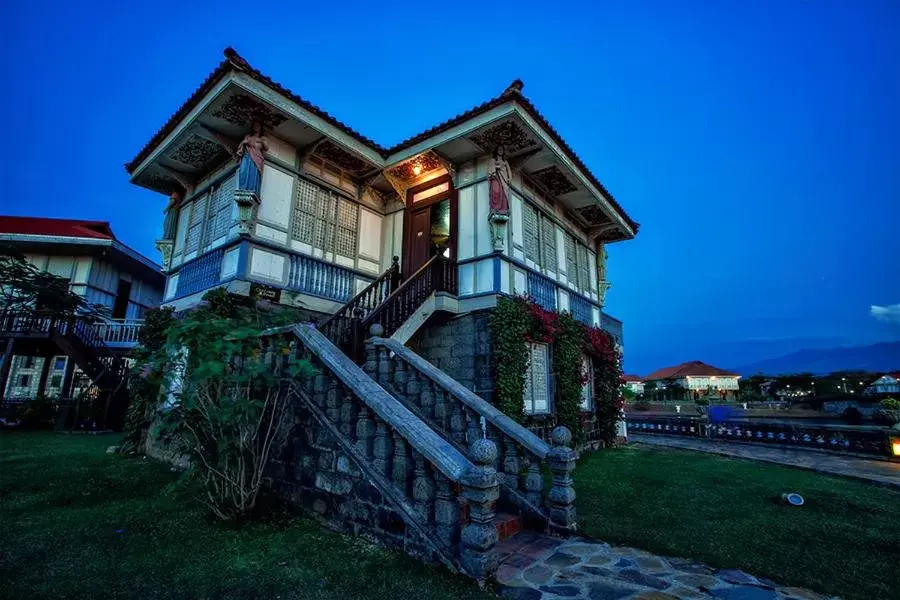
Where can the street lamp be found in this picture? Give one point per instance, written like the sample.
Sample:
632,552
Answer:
844,383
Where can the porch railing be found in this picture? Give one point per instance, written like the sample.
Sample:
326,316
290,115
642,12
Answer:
120,333
542,290
200,273
308,275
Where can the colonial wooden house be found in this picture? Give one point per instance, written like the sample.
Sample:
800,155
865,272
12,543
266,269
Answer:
697,379
46,358
272,196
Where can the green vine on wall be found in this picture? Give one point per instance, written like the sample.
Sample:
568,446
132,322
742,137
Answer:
518,322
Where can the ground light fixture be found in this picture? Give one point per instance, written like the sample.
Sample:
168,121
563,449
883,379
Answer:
793,498
895,445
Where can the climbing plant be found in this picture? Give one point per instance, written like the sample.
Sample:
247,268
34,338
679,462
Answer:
518,322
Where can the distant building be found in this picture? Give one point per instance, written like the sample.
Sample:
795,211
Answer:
634,383
698,378
53,359
889,383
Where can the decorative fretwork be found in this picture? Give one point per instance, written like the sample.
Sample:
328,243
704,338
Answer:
594,215
241,109
508,134
341,158
424,164
553,180
196,152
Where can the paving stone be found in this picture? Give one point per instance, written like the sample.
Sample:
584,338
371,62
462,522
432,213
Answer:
537,574
567,575
635,576
684,593
599,559
744,592
579,549
519,593
697,580
801,593
654,596
597,571
736,576
625,563
561,559
766,582
506,573
689,566
520,561
651,564
607,591
567,591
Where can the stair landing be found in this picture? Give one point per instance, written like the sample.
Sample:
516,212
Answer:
538,567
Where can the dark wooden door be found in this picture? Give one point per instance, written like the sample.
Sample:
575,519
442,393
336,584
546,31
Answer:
419,248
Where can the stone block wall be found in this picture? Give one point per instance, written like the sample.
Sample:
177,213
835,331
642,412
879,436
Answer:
310,472
460,347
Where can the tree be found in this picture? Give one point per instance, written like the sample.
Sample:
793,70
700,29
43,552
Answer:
650,390
25,288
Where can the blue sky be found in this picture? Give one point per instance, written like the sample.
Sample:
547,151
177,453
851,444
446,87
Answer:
758,143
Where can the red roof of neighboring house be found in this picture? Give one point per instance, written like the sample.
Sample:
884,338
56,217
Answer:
56,227
636,378
235,61
694,368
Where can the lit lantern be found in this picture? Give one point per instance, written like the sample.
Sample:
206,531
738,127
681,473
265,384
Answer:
895,446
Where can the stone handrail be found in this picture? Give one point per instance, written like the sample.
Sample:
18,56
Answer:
464,417
422,475
491,414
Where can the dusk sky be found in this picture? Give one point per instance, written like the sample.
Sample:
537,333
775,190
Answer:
757,143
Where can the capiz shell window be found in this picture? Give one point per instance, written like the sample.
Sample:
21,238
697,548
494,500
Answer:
537,381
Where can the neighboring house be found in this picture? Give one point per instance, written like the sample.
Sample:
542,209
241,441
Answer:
320,227
47,358
634,383
698,378
889,383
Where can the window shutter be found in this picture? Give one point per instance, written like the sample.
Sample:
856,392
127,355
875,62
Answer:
571,263
548,235
587,390
584,275
345,238
195,229
530,231
304,222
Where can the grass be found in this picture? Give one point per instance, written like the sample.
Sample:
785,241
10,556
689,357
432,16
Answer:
727,512
79,523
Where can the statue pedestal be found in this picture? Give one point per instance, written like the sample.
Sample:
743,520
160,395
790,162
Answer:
165,250
498,230
248,203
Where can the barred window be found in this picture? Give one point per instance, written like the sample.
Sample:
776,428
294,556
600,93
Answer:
324,221
548,241
530,231
220,211
195,225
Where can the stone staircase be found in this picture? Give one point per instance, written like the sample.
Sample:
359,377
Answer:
399,451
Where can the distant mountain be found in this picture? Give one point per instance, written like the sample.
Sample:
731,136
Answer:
884,356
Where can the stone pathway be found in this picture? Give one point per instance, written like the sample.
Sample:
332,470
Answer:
535,567
880,471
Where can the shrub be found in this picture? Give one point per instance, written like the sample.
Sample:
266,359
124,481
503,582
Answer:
890,404
702,401
641,406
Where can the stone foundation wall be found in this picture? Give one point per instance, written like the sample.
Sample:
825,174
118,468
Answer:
460,347
311,473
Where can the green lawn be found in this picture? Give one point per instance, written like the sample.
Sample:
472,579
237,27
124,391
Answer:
727,512
78,523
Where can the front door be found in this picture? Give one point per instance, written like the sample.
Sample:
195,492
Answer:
419,239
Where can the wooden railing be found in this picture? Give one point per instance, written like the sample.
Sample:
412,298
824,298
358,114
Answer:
312,276
423,476
342,328
120,333
436,275
542,290
461,416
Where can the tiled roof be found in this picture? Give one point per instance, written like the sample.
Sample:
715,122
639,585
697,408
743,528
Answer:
56,227
694,368
234,61
628,378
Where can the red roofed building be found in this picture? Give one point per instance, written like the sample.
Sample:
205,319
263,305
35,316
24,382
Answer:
634,383
698,378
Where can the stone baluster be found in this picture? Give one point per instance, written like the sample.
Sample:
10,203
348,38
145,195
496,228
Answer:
441,412
477,555
402,464
383,447
347,410
533,482
473,426
371,364
320,388
494,434
402,374
446,511
562,462
511,465
412,387
365,431
457,422
426,398
423,488
333,402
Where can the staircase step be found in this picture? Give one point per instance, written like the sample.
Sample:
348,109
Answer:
507,525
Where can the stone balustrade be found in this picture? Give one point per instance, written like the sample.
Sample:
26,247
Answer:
361,461
463,418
